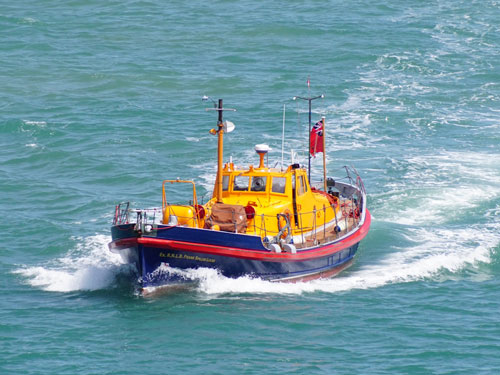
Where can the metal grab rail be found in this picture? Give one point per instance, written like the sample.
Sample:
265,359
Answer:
121,214
196,217
150,215
147,218
164,197
301,214
351,206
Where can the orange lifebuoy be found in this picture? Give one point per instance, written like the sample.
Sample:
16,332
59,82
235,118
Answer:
284,224
200,211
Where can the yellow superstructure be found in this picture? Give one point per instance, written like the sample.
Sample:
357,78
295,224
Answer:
274,201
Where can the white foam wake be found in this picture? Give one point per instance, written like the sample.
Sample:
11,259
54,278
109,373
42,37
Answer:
438,189
89,266
440,254
436,255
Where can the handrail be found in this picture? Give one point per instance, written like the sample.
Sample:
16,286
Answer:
195,199
351,206
121,214
164,198
307,233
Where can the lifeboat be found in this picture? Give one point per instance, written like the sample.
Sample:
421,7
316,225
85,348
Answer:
262,222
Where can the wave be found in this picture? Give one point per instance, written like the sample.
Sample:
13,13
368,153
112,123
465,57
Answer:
435,256
37,123
91,266
409,266
439,189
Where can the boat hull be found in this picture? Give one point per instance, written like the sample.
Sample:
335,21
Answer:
233,255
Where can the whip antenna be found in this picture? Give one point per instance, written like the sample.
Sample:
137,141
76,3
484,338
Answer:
283,139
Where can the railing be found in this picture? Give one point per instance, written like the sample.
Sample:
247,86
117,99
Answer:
350,186
351,177
358,195
121,213
266,226
143,217
146,218
164,197
319,230
349,190
343,218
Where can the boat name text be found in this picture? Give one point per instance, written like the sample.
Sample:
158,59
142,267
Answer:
186,256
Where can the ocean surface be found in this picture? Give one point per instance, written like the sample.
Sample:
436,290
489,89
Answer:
100,101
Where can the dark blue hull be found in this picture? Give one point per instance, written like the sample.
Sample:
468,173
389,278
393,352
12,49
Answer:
153,262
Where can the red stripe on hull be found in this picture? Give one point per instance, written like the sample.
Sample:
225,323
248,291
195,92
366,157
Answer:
122,243
233,252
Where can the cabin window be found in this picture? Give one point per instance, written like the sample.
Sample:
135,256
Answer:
241,183
225,183
279,185
259,183
300,186
304,184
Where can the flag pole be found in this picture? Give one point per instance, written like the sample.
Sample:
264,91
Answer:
309,153
309,144
283,139
324,153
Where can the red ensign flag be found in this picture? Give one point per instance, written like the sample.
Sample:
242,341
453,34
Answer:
316,138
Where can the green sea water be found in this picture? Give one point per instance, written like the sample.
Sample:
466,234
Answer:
101,100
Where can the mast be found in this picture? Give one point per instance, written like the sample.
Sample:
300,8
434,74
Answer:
324,153
310,99
221,128
220,154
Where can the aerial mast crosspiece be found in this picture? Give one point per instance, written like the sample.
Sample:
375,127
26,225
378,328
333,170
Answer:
221,128
309,99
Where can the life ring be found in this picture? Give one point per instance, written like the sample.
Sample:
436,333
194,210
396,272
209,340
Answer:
200,211
284,227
